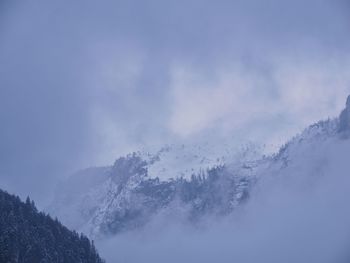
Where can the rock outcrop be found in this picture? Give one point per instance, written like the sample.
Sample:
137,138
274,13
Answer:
344,120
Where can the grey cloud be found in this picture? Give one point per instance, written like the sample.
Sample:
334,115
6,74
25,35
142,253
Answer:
58,112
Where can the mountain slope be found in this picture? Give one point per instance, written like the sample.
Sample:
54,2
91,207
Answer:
188,185
29,236
187,180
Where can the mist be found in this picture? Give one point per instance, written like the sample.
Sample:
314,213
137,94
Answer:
296,215
85,82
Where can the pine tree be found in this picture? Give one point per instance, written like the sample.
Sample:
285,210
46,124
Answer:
29,236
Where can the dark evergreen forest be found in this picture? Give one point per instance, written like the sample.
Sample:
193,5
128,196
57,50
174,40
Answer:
27,235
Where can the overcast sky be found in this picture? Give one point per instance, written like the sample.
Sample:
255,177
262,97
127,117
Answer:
84,81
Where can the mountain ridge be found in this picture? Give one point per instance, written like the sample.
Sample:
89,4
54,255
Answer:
133,191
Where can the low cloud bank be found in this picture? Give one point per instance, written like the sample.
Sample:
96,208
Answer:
299,214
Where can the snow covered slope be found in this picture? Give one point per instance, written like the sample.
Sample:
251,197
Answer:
138,186
189,182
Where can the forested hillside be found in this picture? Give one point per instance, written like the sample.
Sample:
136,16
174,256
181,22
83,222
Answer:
27,235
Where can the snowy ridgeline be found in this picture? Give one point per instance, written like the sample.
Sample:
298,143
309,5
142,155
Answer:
195,178
186,182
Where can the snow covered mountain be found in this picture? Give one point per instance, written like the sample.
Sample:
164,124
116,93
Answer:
195,179
188,182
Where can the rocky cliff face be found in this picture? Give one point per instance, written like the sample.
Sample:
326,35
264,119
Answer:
344,120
